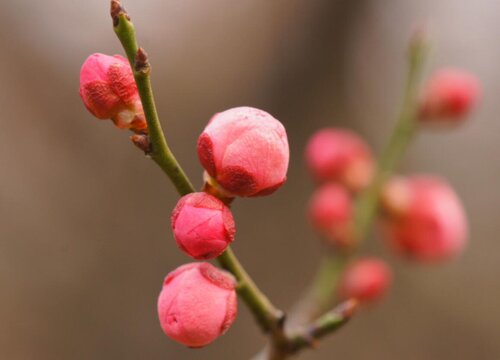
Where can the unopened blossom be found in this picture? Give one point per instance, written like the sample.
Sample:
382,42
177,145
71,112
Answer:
108,90
341,156
331,214
245,152
423,218
366,280
197,304
449,96
203,225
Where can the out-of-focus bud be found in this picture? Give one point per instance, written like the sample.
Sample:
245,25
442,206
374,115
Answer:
365,279
245,152
108,90
331,214
197,304
203,226
449,96
342,156
423,218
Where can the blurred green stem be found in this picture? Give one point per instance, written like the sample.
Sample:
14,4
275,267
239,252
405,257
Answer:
321,292
268,316
367,204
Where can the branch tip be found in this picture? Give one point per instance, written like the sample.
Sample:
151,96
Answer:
347,308
116,11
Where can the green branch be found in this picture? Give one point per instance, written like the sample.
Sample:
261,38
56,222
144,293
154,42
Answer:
367,204
322,291
268,316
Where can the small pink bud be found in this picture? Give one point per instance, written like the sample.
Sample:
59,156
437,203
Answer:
449,96
331,214
340,155
423,218
245,150
203,226
365,279
108,90
197,304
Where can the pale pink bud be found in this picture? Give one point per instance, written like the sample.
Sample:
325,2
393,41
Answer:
203,226
197,304
245,150
340,155
108,90
449,96
365,279
331,214
423,218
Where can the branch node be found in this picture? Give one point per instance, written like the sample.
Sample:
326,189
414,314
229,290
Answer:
143,142
281,319
141,63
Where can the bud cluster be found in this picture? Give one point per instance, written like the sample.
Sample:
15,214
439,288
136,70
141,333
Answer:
245,153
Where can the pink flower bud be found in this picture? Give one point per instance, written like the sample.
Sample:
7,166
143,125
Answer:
245,150
449,96
331,213
197,304
203,226
423,218
340,155
108,90
365,279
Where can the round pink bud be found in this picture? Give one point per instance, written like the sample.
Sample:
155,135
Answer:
245,150
423,218
108,90
341,156
449,96
203,226
331,214
365,279
197,304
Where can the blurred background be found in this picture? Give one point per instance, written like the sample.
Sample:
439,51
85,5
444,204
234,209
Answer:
85,239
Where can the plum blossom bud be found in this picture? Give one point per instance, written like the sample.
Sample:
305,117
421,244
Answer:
423,218
245,152
341,156
449,96
365,279
203,226
331,214
108,90
197,304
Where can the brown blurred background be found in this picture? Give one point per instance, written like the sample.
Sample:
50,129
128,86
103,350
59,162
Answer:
84,231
